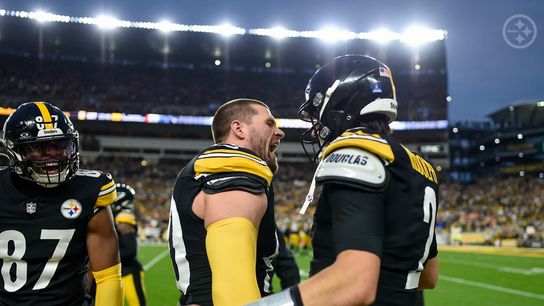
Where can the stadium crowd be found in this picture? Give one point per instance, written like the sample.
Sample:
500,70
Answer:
186,89
498,208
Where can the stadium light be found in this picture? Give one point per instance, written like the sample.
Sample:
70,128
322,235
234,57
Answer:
225,29
108,22
416,35
332,34
276,32
165,26
380,35
42,16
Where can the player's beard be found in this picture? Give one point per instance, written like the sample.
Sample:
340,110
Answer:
262,148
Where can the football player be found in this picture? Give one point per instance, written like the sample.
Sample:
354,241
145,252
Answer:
222,233
374,239
125,223
55,219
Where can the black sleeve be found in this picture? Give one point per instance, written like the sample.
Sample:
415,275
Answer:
285,265
217,183
357,218
127,246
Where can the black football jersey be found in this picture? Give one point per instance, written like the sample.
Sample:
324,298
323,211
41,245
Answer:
215,168
43,252
409,216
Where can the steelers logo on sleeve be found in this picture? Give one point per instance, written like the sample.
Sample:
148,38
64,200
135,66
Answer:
71,209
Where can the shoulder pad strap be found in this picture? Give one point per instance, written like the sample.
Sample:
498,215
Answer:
355,167
369,142
224,160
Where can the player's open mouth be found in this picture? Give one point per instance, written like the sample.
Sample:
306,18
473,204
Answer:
273,147
51,167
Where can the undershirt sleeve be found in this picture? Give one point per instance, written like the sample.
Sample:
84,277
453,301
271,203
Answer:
357,218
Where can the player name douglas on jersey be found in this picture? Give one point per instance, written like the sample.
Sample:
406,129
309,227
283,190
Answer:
347,158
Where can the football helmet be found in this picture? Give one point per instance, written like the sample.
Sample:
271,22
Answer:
42,144
125,198
341,95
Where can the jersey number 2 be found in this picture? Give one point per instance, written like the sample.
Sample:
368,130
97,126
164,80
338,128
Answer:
15,258
429,216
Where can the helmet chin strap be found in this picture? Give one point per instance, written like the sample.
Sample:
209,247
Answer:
310,196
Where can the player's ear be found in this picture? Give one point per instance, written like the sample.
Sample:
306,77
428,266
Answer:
238,128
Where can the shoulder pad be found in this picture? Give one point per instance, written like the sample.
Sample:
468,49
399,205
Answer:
107,192
228,159
373,143
234,181
353,166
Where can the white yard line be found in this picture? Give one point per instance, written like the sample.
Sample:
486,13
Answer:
156,259
531,271
491,287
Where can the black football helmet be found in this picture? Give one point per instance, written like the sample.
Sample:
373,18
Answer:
42,144
125,198
339,96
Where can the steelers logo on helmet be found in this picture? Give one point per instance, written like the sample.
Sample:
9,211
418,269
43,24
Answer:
71,209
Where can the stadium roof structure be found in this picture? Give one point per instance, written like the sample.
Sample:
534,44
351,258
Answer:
529,114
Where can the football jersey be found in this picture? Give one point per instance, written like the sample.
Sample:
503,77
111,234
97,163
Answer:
213,168
128,263
409,214
43,251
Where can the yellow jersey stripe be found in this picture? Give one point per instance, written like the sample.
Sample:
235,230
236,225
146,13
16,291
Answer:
107,199
107,186
125,218
45,115
379,147
234,163
231,152
250,157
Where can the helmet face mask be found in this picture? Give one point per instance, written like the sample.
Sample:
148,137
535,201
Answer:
42,144
339,96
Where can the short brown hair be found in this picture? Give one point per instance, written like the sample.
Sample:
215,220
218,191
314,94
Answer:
237,109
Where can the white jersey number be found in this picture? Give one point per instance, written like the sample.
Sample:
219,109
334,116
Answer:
19,248
429,216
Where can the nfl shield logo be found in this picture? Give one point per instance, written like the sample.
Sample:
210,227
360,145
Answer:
30,208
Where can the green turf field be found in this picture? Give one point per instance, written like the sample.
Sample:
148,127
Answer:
466,278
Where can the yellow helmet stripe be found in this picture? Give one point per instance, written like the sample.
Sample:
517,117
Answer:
45,115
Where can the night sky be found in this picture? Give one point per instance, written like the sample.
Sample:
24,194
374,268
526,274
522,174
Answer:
485,72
